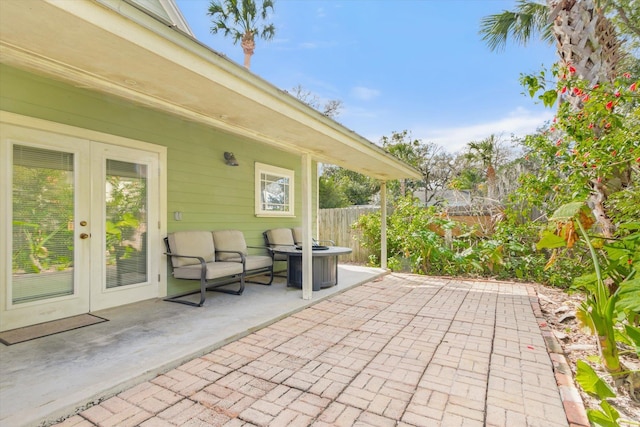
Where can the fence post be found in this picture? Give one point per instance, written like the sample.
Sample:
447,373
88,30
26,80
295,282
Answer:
383,224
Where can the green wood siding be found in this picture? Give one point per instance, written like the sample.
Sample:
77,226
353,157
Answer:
210,194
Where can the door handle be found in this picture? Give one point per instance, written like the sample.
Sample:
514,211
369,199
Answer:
84,236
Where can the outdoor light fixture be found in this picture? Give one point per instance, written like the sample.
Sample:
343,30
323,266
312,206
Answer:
230,159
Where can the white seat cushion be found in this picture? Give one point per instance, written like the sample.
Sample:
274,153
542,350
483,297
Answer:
215,270
253,262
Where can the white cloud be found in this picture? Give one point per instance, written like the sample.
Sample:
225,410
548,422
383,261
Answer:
308,45
519,122
364,94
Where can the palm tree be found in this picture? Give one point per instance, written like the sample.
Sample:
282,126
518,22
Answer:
586,41
487,153
239,19
585,37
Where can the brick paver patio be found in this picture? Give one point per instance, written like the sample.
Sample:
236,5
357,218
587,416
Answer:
403,351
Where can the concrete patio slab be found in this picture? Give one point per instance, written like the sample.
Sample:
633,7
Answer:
48,378
402,350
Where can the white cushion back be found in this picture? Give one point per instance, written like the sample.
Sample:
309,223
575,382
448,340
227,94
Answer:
280,236
297,235
229,240
192,243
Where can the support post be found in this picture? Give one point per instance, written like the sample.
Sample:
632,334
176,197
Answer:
383,224
307,216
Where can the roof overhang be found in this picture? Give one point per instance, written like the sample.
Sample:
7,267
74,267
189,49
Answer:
115,48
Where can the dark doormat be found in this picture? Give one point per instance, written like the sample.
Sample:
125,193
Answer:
40,330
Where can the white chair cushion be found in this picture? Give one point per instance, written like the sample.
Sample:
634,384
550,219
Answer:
297,235
215,270
192,243
280,237
229,240
254,262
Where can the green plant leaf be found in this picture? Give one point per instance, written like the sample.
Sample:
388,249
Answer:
586,281
629,296
633,334
584,319
630,226
615,253
113,229
569,211
550,241
591,383
548,98
608,417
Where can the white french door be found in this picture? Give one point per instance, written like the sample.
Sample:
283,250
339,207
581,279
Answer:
124,213
77,219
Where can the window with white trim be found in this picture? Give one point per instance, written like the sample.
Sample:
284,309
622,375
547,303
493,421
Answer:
274,191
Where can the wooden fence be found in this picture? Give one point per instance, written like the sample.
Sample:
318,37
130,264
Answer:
335,224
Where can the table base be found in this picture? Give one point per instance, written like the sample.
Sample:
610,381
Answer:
325,272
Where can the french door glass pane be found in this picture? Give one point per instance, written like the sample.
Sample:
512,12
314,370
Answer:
43,218
126,223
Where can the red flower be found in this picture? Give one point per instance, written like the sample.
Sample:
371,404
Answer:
596,86
584,164
633,87
617,94
609,105
564,90
614,152
585,98
559,143
558,153
590,125
607,126
627,75
572,69
577,91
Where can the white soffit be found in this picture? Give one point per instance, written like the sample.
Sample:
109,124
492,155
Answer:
116,48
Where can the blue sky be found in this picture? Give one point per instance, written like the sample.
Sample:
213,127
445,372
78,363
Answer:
416,65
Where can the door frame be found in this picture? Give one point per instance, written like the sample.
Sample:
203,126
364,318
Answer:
75,132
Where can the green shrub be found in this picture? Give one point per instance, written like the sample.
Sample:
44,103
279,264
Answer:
415,243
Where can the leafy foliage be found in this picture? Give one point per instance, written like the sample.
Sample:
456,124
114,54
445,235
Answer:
341,187
42,212
417,241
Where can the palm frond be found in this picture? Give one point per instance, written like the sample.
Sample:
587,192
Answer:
529,18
